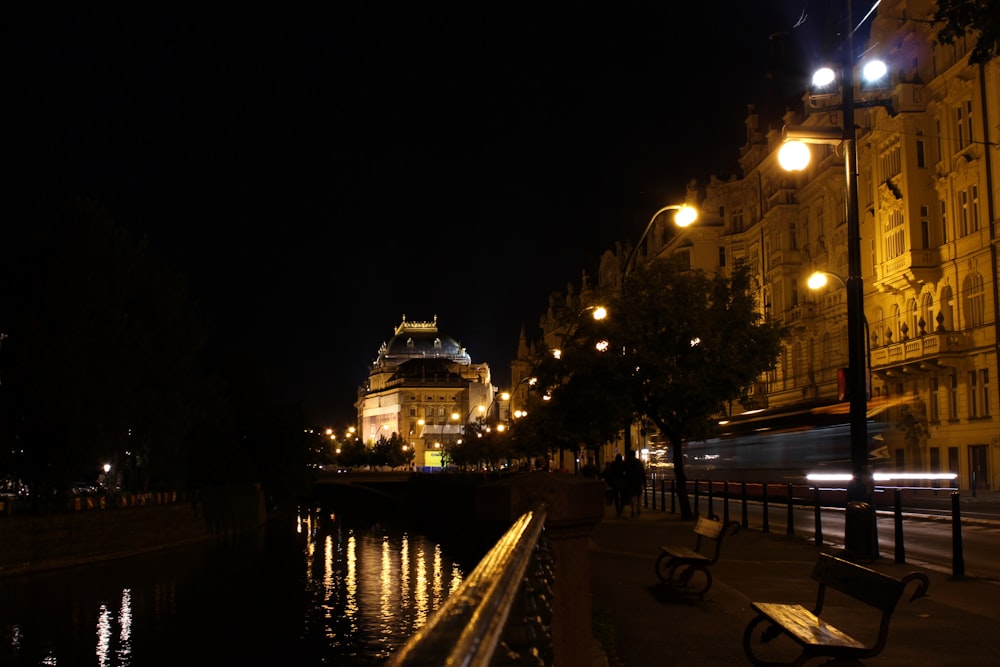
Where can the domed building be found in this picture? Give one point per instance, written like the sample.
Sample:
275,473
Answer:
424,387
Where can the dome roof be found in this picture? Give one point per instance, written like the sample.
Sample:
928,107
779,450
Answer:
420,340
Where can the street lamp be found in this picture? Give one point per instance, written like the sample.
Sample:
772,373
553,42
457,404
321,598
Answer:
817,280
684,217
860,532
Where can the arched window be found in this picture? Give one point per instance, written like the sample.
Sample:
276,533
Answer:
878,328
914,316
947,319
927,313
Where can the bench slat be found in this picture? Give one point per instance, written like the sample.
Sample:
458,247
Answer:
684,553
805,626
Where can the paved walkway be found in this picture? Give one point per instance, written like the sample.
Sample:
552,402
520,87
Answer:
957,624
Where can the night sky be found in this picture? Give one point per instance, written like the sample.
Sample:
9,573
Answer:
318,170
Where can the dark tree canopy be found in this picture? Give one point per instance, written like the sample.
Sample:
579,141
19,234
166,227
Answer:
693,343
104,360
977,18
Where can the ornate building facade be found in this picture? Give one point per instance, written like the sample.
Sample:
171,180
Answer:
928,192
424,388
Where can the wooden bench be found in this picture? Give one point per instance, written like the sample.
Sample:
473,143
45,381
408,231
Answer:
815,635
687,569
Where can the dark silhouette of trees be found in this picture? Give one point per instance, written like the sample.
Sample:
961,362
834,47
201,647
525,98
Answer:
977,18
101,356
105,361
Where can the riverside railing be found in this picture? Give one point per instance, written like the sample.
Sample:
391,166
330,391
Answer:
817,498
502,612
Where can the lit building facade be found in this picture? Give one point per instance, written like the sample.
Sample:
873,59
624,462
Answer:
928,154
422,387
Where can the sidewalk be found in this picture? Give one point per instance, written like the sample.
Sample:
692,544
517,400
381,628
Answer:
957,624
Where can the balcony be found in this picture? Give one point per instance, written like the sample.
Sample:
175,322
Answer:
921,354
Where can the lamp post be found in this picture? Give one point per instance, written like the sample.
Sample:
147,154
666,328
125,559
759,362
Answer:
684,217
818,280
860,534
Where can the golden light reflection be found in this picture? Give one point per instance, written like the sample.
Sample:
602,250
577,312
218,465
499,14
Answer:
437,577
404,569
351,603
420,598
125,629
103,636
385,586
329,578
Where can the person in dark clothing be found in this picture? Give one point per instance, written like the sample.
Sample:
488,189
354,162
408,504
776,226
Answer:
635,480
614,477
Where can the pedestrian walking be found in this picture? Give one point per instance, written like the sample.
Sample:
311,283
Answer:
635,480
614,477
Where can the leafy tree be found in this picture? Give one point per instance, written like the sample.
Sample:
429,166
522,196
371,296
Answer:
390,452
692,343
979,18
353,453
588,387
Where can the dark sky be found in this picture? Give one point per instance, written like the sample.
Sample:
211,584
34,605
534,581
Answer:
318,170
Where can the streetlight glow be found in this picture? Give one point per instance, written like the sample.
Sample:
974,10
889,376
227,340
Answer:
817,280
874,70
823,77
794,156
685,216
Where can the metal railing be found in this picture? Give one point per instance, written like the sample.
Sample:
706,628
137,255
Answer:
502,612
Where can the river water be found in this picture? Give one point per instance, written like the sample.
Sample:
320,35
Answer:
323,589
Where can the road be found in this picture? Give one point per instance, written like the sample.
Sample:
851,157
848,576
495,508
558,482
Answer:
928,535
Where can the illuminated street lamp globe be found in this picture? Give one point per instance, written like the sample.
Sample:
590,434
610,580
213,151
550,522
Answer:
685,216
793,156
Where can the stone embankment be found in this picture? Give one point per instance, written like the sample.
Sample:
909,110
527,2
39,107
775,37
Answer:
125,525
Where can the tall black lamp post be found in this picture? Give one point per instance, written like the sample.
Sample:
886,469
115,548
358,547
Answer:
860,533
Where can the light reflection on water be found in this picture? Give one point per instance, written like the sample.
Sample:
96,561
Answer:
323,591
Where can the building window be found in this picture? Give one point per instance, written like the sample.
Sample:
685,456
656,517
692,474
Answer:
722,256
974,208
935,406
891,163
963,213
984,391
944,223
895,235
921,158
973,395
953,396
963,117
925,227
946,312
927,312
975,305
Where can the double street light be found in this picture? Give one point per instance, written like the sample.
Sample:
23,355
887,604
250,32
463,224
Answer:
860,537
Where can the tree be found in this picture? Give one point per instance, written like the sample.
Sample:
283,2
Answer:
588,387
980,18
692,343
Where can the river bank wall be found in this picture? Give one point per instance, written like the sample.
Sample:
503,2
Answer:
125,525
